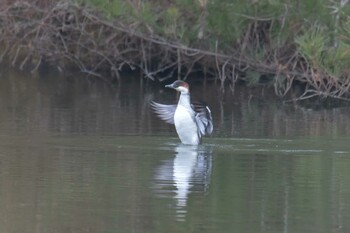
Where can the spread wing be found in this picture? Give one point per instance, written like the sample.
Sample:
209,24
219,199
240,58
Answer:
165,112
203,118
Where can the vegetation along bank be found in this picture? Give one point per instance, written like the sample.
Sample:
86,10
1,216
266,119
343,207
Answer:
279,43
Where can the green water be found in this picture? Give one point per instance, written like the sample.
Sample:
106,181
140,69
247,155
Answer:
82,156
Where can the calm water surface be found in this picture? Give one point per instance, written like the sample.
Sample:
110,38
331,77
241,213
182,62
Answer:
78,155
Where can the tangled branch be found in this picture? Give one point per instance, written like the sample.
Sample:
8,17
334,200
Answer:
70,36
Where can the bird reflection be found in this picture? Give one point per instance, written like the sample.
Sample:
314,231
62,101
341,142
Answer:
189,171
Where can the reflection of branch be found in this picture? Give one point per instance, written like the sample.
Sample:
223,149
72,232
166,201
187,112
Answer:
308,94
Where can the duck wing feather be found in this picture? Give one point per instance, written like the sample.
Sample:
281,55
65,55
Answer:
164,111
203,118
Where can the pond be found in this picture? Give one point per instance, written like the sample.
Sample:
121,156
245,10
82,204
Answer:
81,155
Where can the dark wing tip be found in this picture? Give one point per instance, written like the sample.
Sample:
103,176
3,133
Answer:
203,117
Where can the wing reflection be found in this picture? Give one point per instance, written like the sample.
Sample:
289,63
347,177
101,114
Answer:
188,172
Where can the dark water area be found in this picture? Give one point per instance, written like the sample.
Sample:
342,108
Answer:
81,155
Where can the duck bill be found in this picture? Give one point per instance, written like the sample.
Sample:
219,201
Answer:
170,86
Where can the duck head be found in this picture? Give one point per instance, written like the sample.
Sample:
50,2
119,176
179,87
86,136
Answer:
179,86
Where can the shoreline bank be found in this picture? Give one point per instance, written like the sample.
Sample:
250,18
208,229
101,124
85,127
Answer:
70,35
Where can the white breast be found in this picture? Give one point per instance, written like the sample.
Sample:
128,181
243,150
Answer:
186,126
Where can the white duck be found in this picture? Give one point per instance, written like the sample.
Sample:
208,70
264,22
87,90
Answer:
192,120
